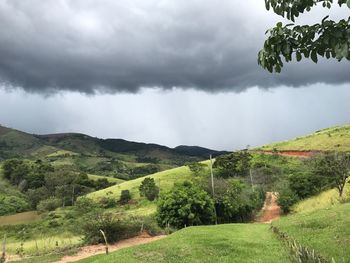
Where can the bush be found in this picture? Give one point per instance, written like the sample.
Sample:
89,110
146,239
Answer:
84,205
185,205
12,205
306,184
286,199
107,202
50,204
237,202
114,229
125,197
149,189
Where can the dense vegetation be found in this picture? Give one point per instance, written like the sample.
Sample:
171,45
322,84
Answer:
42,186
168,201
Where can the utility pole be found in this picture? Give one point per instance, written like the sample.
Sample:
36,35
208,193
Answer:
212,188
212,177
251,177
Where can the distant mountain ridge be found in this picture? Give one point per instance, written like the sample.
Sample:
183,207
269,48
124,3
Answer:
14,143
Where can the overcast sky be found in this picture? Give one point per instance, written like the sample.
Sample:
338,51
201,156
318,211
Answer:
170,72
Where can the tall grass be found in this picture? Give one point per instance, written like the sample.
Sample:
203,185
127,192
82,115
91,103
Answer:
325,199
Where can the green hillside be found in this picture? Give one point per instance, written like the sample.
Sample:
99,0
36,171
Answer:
324,200
330,139
325,230
222,243
107,157
165,181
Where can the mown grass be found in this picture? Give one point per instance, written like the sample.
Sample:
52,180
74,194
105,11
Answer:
222,243
325,230
165,180
323,200
331,139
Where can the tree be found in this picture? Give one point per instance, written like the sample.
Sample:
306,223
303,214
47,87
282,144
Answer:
326,39
235,201
335,167
306,184
286,199
185,205
234,164
15,170
149,189
197,168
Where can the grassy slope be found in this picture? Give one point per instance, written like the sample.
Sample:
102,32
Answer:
110,179
222,243
165,180
324,200
325,230
331,139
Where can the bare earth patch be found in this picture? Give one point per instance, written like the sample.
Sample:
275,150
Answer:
88,251
270,210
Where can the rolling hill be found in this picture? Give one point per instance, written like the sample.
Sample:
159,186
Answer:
14,143
165,181
106,157
330,139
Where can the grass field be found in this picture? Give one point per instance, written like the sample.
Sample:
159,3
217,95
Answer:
19,218
43,244
325,199
325,230
165,181
331,139
222,243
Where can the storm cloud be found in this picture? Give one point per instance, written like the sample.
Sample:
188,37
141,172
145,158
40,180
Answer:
122,46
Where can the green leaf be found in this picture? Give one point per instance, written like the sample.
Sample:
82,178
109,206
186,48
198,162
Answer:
348,3
279,24
314,56
298,55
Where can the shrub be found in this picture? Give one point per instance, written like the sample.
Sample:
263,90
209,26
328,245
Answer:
185,205
125,197
50,204
107,202
84,205
286,199
12,205
114,229
149,189
237,202
306,184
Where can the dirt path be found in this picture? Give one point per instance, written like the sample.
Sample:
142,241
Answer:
89,251
270,210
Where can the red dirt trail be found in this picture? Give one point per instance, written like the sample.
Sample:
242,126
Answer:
89,251
270,210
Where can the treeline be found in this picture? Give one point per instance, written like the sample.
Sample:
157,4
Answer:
45,187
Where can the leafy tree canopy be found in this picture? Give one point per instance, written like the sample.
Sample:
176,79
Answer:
149,189
234,164
326,39
185,205
335,167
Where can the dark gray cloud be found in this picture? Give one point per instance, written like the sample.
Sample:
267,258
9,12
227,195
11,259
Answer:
122,46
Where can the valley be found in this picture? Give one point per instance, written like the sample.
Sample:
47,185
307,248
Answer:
243,232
